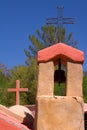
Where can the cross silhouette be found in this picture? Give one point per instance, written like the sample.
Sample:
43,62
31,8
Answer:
17,90
59,20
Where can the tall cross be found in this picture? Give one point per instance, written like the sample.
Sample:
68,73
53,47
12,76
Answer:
59,20
17,90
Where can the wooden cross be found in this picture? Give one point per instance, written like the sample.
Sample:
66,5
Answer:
17,90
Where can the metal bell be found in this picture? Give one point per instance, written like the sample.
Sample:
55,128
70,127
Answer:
59,75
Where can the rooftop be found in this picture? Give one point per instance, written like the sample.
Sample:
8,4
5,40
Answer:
60,50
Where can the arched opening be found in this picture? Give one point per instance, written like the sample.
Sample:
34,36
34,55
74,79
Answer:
60,79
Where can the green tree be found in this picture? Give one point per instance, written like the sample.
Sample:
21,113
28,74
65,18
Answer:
3,88
4,79
85,85
85,88
32,81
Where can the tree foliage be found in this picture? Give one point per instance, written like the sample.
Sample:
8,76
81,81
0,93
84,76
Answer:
3,88
4,79
85,86
32,81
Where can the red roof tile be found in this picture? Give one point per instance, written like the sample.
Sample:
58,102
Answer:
62,51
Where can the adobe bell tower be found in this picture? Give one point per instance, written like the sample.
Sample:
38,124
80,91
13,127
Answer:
59,112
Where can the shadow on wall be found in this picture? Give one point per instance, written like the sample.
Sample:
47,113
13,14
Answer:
28,121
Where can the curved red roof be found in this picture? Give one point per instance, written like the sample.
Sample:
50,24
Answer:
60,50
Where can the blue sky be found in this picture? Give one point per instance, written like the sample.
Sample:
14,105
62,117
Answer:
20,18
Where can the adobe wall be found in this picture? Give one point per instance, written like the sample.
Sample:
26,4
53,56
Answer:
74,79
60,113
45,79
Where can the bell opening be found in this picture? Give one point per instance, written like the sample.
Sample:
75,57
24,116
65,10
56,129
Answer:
59,80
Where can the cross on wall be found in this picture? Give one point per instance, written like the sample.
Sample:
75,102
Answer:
17,90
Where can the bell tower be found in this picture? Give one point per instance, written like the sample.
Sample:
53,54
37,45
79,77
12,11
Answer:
59,112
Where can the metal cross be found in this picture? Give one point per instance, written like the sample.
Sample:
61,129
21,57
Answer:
59,21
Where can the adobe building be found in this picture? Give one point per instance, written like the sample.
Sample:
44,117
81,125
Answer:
59,112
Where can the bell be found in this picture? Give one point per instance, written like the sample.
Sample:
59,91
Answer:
59,75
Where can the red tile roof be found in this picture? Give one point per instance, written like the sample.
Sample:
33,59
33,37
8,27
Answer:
62,51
